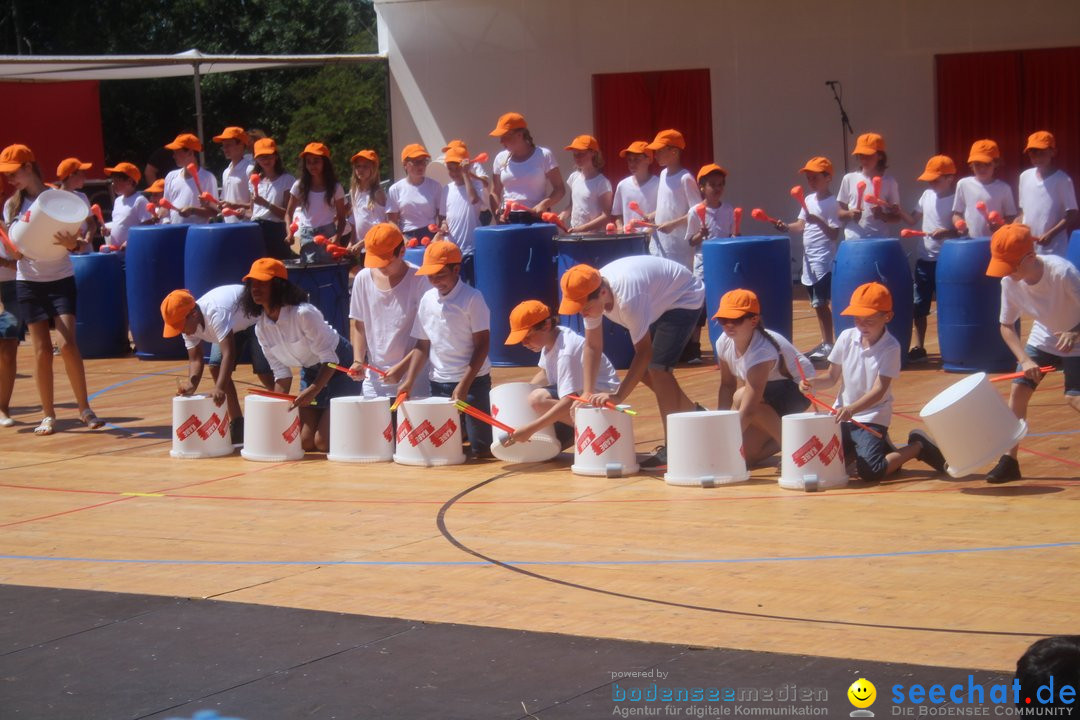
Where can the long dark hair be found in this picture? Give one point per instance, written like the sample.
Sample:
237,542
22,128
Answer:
782,361
15,201
282,293
278,167
329,178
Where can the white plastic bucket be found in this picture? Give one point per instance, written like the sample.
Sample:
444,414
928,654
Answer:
429,433
361,430
200,428
705,449
52,211
510,404
271,430
603,443
971,424
812,453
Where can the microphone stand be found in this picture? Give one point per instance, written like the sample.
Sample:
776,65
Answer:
845,124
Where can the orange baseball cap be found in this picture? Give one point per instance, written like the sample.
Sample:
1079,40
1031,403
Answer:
638,147
507,122
667,138
369,155
709,170
456,154
414,150
175,308
267,269
14,157
984,151
738,303
578,283
126,168
1008,246
233,133
869,299
936,167
315,148
185,141
265,146
438,255
379,243
818,164
869,144
158,186
70,165
583,142
455,143
524,317
1041,140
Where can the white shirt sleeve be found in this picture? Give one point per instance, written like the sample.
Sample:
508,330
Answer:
323,338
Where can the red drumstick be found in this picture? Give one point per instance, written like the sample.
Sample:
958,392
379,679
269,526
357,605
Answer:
860,187
995,218
106,248
520,207
797,193
482,157
961,226
877,185
151,208
425,241
1012,376
737,212
433,228
908,232
633,205
271,394
759,214
320,240
700,210
229,212
550,217
96,210
981,207
294,227
483,416
193,171
207,197
255,178
401,397
166,204
610,228
506,211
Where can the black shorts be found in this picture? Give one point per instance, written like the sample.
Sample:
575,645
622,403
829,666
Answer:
40,301
784,397
11,325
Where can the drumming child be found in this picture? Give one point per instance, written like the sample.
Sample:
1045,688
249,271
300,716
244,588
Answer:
639,187
415,201
590,191
129,207
293,333
561,351
182,190
1047,197
236,178
453,330
868,220
756,374
867,359
462,200
984,161
317,201
676,194
217,318
1046,287
711,219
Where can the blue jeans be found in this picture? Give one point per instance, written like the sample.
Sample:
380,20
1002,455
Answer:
869,451
479,396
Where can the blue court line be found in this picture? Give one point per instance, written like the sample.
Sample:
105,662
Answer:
122,383
1048,434
456,563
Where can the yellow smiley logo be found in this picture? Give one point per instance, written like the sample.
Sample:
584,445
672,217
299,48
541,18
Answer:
862,693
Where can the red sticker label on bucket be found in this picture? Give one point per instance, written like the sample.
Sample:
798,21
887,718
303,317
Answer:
494,411
421,433
223,426
388,433
187,427
584,438
808,451
207,428
606,440
832,449
292,432
444,433
403,429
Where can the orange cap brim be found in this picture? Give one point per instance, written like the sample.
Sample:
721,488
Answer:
860,311
999,268
371,260
171,331
430,269
569,306
516,336
928,177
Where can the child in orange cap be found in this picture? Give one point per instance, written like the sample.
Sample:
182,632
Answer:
1047,197
154,192
710,219
366,197
236,178
534,325
1046,288
270,198
477,172
868,219
453,332
590,192
316,204
181,189
639,187
523,171
867,359
934,212
984,159
129,207
463,201
756,374
415,201
71,177
675,195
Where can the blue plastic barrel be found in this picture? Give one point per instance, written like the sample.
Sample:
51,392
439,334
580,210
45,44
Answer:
968,307
220,254
101,326
514,263
155,267
598,251
327,286
761,264
875,260
1073,252
415,255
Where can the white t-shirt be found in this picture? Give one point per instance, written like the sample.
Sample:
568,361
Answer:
675,195
449,323
1044,202
317,212
1054,302
366,214
180,190
720,223
998,197
222,314
463,216
300,338
525,182
818,250
388,315
761,351
646,287
936,215
564,368
274,191
585,197
236,184
127,212
628,191
37,270
868,225
419,205
861,368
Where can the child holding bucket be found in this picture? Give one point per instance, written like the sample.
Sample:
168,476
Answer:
453,330
866,358
711,219
415,201
984,160
129,207
1046,287
12,330
561,358
639,187
294,334
46,293
866,219
71,177
184,191
1047,197
270,198
367,198
384,302
755,374
318,202
590,192
236,178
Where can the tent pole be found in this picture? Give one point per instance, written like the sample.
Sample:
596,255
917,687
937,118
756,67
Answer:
198,111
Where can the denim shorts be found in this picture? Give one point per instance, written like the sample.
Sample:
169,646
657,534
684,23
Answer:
11,325
820,292
39,301
868,450
340,385
925,287
243,339
1071,366
669,335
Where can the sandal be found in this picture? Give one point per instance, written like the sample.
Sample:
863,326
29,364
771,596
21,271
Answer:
6,420
90,420
46,426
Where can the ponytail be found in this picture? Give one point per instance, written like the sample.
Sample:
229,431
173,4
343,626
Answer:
781,360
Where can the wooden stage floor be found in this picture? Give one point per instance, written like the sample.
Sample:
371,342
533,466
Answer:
918,569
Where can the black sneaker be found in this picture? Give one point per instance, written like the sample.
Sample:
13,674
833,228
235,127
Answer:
820,353
930,453
917,354
1006,470
657,460
236,431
